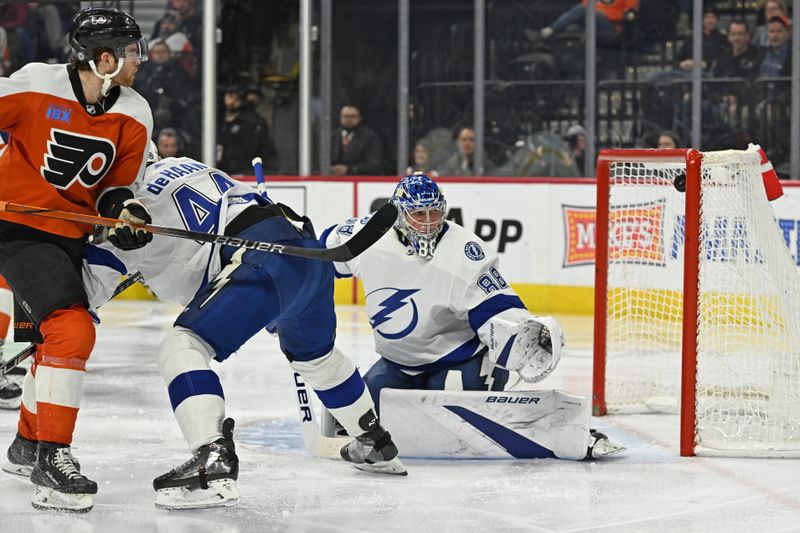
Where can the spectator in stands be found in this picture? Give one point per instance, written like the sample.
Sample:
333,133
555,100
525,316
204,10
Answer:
610,16
168,90
14,19
177,41
740,59
770,10
49,22
713,43
243,135
356,149
461,163
252,95
777,60
5,53
253,98
190,23
668,139
576,141
169,143
421,158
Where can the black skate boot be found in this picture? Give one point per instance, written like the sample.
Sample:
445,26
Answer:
600,446
206,480
59,484
373,451
10,393
21,456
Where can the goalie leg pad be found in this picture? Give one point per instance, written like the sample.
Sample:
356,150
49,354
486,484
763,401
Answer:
194,389
339,386
474,424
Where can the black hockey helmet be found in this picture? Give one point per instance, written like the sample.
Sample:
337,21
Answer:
104,27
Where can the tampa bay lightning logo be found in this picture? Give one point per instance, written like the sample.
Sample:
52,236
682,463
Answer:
398,314
473,251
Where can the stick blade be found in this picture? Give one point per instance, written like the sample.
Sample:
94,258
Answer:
383,219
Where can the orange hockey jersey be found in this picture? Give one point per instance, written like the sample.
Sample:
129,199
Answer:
614,10
63,153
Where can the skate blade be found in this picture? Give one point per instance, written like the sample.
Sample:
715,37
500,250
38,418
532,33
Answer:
604,448
10,405
47,499
220,493
393,467
17,470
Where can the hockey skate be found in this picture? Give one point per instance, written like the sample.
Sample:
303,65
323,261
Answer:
374,450
59,484
21,456
600,446
206,480
10,393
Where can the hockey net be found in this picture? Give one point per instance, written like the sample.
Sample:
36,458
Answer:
697,305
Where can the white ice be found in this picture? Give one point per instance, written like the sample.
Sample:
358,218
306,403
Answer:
126,436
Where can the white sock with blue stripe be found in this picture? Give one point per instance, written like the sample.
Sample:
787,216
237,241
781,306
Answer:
194,389
339,386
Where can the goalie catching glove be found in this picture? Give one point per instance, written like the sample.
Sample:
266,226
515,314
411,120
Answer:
123,236
531,347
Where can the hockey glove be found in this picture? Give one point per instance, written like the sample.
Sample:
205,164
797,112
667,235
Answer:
536,350
123,236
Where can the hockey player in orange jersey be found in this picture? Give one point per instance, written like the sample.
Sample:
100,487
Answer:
78,142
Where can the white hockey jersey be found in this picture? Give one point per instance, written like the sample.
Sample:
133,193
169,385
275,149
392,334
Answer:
429,314
178,193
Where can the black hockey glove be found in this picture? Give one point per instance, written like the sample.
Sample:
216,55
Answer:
123,236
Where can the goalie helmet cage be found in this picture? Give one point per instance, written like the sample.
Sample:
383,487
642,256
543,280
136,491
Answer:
697,301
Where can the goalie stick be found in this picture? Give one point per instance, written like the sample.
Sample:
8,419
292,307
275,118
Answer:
381,221
29,350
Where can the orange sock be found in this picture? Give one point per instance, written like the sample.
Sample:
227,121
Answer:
68,340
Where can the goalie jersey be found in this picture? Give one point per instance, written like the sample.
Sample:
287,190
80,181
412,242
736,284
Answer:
429,314
178,193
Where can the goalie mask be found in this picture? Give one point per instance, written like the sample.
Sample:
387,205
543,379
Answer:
421,212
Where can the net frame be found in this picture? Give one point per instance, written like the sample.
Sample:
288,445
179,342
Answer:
693,162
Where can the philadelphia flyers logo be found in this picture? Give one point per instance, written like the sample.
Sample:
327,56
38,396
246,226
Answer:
74,157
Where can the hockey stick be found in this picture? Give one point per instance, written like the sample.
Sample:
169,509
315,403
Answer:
29,350
260,183
381,221
315,443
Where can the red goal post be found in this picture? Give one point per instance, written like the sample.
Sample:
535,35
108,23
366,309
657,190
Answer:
697,301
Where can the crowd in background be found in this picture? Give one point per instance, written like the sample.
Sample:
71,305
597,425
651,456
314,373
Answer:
532,129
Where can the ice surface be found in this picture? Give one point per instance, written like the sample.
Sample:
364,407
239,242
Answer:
126,435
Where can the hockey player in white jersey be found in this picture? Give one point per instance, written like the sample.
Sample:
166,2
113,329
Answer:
442,315
229,295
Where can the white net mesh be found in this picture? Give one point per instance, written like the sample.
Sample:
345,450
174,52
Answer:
748,330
